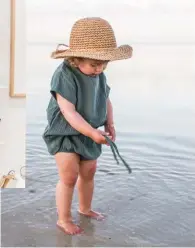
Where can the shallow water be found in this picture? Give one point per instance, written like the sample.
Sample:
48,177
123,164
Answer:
154,206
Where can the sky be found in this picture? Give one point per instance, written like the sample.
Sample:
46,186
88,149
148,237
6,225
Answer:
137,21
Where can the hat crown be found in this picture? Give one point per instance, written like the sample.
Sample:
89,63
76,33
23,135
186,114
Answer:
92,33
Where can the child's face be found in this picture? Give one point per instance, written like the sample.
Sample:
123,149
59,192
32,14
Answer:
92,67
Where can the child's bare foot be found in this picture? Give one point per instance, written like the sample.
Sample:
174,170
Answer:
92,214
68,227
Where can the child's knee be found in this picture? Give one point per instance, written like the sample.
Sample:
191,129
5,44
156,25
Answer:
69,181
88,172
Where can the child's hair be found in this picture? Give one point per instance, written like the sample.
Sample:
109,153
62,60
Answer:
74,61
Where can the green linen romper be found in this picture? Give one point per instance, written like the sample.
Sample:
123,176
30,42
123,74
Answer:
89,95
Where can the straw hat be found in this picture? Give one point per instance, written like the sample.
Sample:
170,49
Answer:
93,38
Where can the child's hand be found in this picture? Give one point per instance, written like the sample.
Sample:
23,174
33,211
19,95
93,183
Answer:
98,136
111,130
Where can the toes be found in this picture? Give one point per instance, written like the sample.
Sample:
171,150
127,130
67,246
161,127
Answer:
79,230
100,217
71,230
93,215
76,231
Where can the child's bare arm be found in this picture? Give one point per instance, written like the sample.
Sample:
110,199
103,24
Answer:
109,126
77,121
109,120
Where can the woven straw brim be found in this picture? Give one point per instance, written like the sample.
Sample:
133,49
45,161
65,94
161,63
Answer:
119,53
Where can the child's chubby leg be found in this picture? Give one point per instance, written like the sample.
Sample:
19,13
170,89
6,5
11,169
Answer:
68,168
85,185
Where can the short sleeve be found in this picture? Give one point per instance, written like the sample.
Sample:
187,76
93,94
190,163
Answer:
106,86
107,90
64,85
